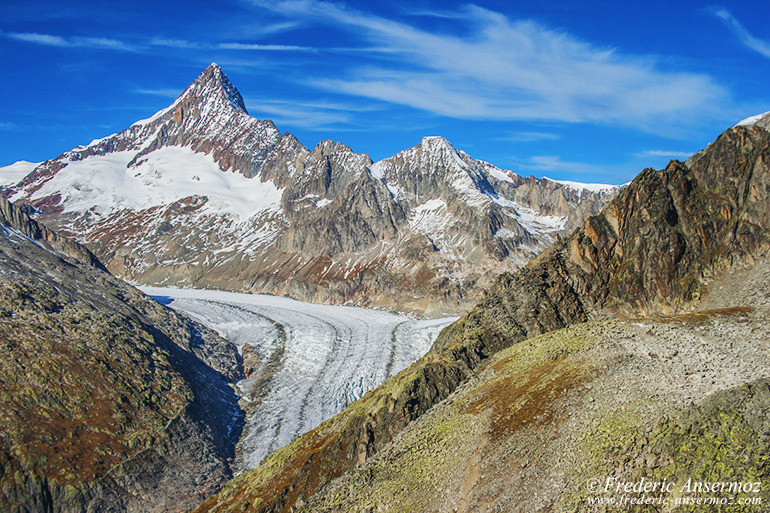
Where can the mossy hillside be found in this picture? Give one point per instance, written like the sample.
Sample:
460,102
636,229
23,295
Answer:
80,390
104,394
413,475
549,413
444,449
724,439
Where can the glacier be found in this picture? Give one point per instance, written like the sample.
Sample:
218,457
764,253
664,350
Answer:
313,360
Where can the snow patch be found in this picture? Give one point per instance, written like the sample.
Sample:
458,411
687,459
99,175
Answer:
15,173
378,169
580,186
499,174
156,116
753,120
431,219
396,191
538,224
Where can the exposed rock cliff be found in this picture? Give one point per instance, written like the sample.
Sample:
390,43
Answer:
108,401
16,218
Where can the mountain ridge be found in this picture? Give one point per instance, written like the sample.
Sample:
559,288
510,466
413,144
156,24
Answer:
429,222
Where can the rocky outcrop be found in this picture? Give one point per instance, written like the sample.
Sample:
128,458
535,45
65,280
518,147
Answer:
655,249
202,194
108,401
652,250
16,219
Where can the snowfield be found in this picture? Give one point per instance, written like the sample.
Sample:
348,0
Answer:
14,173
314,360
109,183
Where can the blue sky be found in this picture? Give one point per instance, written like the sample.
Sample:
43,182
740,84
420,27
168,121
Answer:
578,90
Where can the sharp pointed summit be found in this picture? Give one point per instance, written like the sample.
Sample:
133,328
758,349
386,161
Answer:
212,88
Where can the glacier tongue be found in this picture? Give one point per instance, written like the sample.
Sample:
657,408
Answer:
314,360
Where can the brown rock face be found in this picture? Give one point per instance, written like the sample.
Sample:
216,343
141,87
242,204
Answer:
653,249
108,401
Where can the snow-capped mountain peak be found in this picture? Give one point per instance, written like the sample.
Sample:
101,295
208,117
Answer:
14,173
204,194
210,91
212,85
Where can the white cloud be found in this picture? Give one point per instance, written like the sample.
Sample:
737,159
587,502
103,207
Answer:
72,42
194,45
251,46
758,45
175,43
679,155
312,115
553,164
506,69
166,93
158,42
33,37
529,137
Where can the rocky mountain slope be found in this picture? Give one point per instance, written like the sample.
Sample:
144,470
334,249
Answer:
605,399
204,195
108,401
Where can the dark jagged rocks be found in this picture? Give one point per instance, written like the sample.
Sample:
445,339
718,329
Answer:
15,218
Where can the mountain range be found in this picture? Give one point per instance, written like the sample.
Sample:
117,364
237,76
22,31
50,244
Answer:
204,195
623,336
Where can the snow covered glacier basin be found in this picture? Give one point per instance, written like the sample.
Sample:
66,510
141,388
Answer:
313,360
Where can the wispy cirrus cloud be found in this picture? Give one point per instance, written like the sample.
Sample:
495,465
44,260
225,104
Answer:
679,155
71,42
312,115
197,45
760,46
143,45
175,43
165,93
519,137
503,69
554,164
262,47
